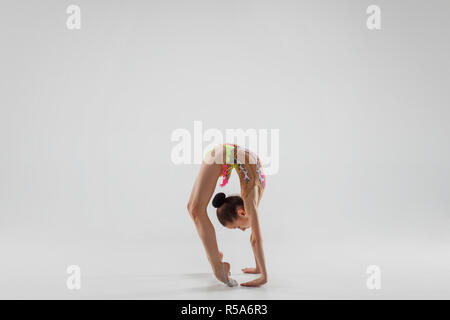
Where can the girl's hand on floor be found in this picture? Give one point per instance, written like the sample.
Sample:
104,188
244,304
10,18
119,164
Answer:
255,283
250,270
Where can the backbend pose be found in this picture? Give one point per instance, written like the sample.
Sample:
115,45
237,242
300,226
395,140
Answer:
233,211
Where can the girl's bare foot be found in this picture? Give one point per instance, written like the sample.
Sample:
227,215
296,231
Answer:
223,272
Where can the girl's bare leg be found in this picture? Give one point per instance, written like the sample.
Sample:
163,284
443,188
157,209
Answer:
202,191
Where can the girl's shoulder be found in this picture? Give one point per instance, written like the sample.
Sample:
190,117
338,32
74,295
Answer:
252,195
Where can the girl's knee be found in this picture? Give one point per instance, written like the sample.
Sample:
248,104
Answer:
195,208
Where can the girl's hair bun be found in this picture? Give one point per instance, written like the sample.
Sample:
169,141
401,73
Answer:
218,200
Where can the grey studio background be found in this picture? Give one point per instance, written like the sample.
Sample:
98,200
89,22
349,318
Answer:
86,118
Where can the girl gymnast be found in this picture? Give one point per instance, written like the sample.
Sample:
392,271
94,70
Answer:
234,211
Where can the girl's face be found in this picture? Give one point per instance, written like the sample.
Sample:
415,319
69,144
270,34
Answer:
241,222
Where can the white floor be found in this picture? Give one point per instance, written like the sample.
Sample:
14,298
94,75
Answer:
141,267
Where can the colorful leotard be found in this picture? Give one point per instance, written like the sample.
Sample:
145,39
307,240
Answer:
249,170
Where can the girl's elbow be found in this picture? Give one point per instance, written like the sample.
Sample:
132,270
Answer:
256,241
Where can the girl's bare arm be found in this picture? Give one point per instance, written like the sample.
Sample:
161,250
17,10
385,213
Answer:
250,205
